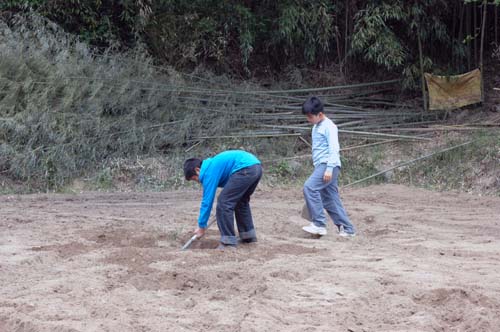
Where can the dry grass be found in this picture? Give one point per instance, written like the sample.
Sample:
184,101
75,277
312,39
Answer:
64,110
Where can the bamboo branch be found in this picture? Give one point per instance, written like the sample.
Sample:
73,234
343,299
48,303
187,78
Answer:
246,136
367,145
383,135
406,163
304,140
193,146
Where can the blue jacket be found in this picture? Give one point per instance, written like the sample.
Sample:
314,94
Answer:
215,172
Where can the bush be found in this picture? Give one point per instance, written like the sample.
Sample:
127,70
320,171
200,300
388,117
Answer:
64,109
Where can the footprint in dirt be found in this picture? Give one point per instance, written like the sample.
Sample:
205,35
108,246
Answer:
369,219
204,244
209,241
458,307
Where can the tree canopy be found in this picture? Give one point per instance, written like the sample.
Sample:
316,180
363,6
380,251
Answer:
251,37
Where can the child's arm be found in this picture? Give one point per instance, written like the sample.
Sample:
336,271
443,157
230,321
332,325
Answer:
209,190
333,150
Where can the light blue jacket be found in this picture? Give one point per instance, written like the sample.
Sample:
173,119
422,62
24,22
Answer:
325,144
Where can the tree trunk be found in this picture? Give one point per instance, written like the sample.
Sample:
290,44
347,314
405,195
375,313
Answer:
339,53
485,11
496,25
474,12
422,78
468,34
346,41
453,32
459,64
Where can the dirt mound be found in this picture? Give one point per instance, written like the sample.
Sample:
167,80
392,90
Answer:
422,261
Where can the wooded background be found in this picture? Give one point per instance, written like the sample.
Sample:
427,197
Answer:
263,37
84,83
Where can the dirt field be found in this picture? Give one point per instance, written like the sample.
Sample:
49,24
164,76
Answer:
422,261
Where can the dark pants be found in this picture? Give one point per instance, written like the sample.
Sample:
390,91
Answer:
233,201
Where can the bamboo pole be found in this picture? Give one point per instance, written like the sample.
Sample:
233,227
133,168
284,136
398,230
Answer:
354,94
287,158
247,136
444,128
383,135
367,145
193,146
496,25
286,127
305,141
337,87
406,163
343,149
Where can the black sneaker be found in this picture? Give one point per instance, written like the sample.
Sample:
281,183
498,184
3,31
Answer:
246,241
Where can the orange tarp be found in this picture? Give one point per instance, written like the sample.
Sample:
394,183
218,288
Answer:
450,92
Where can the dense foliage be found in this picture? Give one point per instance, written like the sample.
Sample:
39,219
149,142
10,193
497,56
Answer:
84,81
261,37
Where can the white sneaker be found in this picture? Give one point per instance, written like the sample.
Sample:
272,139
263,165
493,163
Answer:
344,234
313,229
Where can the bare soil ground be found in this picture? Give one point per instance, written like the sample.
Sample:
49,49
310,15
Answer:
422,261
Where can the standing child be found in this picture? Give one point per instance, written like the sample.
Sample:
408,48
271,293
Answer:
238,172
321,189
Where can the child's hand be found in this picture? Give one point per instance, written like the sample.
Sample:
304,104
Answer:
199,232
327,177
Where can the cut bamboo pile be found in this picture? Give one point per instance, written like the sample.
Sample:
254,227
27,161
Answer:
369,110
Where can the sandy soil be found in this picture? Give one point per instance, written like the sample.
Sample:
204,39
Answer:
422,261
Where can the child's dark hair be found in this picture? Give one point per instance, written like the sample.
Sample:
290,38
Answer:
189,167
313,105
